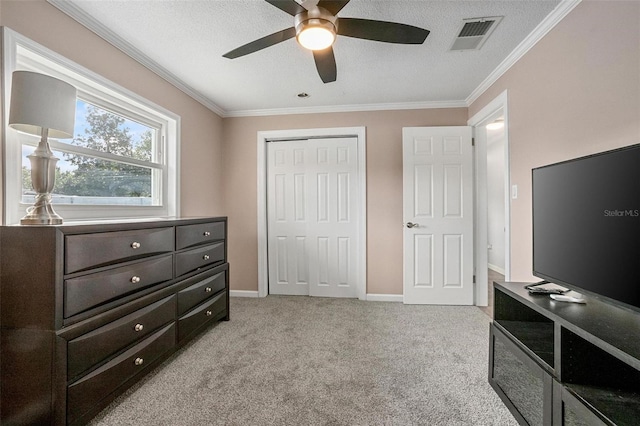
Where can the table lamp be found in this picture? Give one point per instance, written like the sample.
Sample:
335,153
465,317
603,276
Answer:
42,106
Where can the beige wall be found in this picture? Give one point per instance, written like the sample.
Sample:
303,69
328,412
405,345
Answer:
577,92
384,186
201,144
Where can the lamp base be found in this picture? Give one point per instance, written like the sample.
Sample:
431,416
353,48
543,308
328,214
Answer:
43,179
41,213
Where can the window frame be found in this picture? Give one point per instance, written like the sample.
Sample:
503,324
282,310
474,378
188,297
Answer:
20,52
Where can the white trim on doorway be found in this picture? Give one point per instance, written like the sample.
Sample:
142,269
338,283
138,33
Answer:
263,137
481,118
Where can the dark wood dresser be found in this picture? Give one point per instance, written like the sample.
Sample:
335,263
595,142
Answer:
88,309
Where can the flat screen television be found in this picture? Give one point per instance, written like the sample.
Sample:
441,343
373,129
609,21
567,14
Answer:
586,225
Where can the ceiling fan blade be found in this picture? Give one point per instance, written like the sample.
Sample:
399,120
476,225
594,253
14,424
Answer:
289,6
333,6
261,43
326,64
388,32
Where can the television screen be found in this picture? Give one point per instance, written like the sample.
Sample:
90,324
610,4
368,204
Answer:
586,224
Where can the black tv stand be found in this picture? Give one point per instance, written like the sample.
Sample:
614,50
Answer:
556,363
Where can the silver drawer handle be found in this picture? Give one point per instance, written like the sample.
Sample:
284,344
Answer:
207,290
207,233
205,257
138,361
135,245
138,327
209,313
135,279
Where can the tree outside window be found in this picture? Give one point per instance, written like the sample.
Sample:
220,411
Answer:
86,177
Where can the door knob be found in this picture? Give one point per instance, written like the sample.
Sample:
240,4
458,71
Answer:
412,225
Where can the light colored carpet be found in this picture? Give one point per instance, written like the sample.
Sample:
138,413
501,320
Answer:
313,361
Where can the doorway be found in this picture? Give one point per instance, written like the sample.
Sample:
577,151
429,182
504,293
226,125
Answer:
270,263
492,150
496,195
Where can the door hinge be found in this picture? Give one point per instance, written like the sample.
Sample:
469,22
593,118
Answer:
473,141
474,279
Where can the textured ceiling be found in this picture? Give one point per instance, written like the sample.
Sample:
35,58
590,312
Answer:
187,38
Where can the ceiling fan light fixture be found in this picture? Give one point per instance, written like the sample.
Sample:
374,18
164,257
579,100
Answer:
316,37
315,29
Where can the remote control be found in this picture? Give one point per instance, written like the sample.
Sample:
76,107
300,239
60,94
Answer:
565,298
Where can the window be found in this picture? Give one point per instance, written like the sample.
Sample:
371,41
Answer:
111,160
122,160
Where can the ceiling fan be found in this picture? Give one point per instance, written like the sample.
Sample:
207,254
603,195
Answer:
316,27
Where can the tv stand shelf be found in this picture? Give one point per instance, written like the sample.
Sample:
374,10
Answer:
564,363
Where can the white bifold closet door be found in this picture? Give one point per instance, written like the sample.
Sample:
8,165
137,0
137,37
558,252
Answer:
312,217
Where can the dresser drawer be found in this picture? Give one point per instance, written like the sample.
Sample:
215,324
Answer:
91,348
104,248
191,260
197,293
90,290
202,314
87,392
201,233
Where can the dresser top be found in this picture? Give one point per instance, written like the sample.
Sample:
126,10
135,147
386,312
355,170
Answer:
121,224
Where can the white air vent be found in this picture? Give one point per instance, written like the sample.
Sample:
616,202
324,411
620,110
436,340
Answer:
474,32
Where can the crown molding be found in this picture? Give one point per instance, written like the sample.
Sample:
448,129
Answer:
563,8
111,37
347,108
104,32
556,15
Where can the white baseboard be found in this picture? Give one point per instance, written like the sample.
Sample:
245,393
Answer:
496,268
243,293
384,297
370,297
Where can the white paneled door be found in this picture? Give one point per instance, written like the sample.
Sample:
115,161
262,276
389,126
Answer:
438,215
312,217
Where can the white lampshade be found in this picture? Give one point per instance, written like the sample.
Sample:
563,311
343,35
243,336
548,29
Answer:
39,101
